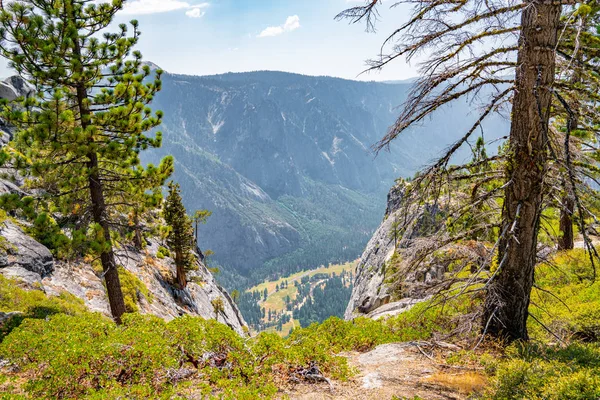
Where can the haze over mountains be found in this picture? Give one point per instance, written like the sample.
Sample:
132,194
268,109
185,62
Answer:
284,163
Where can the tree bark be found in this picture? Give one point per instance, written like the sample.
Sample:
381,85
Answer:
567,238
107,257
138,241
179,264
507,301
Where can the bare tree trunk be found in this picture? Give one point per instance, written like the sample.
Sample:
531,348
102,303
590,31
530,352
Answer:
567,237
507,303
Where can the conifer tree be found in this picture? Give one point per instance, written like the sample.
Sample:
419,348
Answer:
180,238
79,138
200,217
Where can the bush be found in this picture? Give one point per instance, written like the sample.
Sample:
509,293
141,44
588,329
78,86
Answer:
542,372
163,252
34,304
569,298
133,288
88,356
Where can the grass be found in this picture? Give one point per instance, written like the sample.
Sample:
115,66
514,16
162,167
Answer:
465,383
331,269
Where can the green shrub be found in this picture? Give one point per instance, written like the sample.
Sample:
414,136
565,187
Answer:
88,356
543,372
71,356
568,301
46,231
34,304
163,252
133,288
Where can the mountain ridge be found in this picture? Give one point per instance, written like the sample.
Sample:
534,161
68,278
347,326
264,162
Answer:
284,162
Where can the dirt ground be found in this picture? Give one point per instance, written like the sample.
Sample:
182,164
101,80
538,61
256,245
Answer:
396,371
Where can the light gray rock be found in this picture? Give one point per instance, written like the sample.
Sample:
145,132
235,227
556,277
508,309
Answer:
395,308
29,277
7,91
370,291
23,251
164,300
19,85
8,187
14,87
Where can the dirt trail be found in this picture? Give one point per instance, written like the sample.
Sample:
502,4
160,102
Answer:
403,370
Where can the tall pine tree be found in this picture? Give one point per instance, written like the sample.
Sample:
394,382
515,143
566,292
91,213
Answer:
79,139
181,237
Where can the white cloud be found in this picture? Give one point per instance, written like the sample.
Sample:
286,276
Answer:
196,11
141,7
291,24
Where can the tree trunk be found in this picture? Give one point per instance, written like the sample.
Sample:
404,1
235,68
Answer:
111,273
507,301
567,238
107,257
138,241
179,264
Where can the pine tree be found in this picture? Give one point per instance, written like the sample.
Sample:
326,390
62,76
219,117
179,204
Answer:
79,139
180,238
200,217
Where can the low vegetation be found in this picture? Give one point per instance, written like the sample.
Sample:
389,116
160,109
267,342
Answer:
55,349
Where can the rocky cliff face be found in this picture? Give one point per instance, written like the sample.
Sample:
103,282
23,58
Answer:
370,290
24,259
373,295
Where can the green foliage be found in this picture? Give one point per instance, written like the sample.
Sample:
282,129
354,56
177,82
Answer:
46,231
549,373
34,304
180,237
87,356
133,288
567,300
163,252
362,334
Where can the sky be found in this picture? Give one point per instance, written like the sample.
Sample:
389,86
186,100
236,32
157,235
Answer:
205,37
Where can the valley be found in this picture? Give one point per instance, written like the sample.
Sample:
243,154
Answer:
299,299
284,162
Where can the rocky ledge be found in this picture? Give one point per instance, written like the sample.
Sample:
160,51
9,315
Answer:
28,261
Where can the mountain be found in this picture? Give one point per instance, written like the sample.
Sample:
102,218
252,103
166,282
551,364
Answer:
284,163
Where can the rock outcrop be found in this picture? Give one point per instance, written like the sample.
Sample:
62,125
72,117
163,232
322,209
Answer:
370,291
372,294
31,263
21,253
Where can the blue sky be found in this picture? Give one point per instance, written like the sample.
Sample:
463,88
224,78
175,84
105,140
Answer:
201,37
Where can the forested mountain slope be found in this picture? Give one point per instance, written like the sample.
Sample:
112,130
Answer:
284,162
